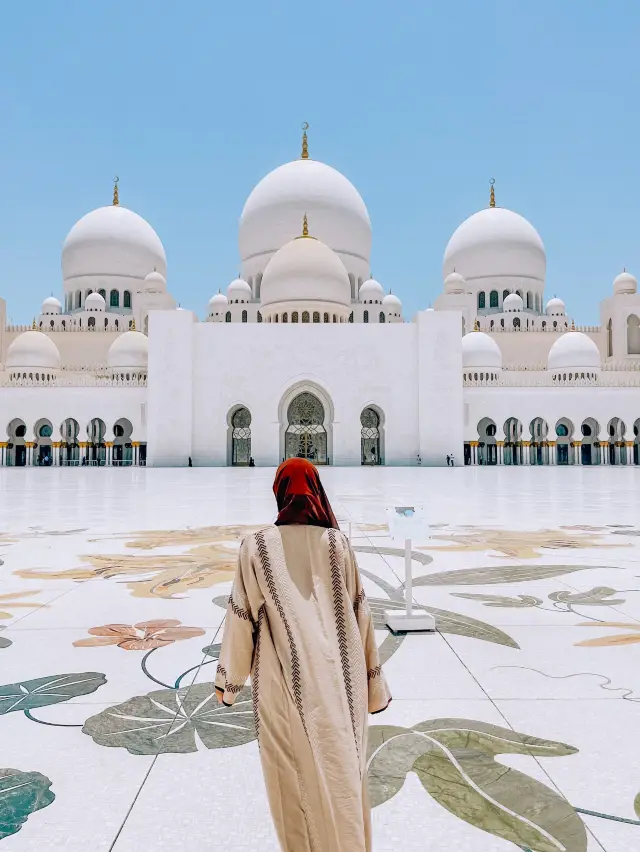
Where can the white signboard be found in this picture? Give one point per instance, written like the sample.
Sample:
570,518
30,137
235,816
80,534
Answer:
408,523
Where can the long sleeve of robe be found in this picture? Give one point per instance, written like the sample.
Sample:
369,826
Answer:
298,622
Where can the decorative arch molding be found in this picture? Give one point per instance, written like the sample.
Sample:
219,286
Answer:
313,387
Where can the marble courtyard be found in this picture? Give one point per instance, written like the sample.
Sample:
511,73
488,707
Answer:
516,726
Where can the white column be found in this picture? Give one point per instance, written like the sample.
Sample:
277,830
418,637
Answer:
552,452
440,400
525,453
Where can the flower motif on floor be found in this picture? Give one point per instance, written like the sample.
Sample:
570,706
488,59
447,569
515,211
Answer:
13,600
616,639
144,636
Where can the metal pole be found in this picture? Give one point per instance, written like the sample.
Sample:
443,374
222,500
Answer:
408,587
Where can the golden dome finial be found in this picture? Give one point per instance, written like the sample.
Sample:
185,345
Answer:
33,325
492,193
305,226
476,325
305,146
133,324
573,325
116,198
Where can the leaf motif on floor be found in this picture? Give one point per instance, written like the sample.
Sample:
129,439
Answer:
171,721
495,575
21,793
454,760
44,691
518,602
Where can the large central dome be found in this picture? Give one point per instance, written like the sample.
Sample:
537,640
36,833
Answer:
496,247
274,210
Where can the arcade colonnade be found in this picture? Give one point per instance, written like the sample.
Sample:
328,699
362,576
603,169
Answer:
561,443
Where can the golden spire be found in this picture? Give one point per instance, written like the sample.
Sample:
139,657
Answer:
133,324
116,198
305,226
33,325
492,194
476,325
305,147
573,325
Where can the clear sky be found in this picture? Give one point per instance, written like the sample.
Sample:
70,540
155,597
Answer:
418,103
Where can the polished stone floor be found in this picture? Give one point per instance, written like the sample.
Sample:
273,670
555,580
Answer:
516,726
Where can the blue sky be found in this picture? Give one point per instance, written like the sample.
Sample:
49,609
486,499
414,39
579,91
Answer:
418,103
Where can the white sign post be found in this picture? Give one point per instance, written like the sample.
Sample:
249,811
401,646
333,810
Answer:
408,523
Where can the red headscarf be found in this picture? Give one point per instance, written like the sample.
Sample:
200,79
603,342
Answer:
300,496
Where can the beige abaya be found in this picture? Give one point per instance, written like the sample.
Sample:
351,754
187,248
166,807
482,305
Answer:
298,621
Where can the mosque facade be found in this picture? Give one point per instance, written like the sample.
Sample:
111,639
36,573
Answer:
305,354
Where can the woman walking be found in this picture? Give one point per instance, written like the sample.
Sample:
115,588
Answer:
298,621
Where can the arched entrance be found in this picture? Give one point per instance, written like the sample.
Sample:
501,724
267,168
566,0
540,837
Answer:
306,436
241,437
512,453
617,447
590,449
43,450
69,448
122,446
96,448
539,447
487,447
564,448
16,447
370,437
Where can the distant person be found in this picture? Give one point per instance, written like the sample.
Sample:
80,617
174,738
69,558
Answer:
251,462
190,462
448,460
298,621
453,464
419,459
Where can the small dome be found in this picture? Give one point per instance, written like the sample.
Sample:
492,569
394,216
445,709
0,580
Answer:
480,350
454,283
155,282
555,308
305,269
239,290
218,300
371,291
429,309
391,301
513,303
130,349
573,350
94,302
111,241
51,306
625,284
33,349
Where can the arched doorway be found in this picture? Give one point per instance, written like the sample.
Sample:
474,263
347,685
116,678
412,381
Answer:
16,446
306,436
590,449
633,335
69,448
512,453
43,450
539,447
617,448
636,442
487,446
564,434
370,437
240,437
97,448
122,446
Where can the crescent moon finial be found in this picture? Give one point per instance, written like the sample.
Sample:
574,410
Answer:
116,198
305,148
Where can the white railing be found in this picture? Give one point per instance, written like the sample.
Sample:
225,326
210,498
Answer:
126,380
486,326
529,378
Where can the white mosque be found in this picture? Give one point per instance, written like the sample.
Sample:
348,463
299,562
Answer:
116,374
